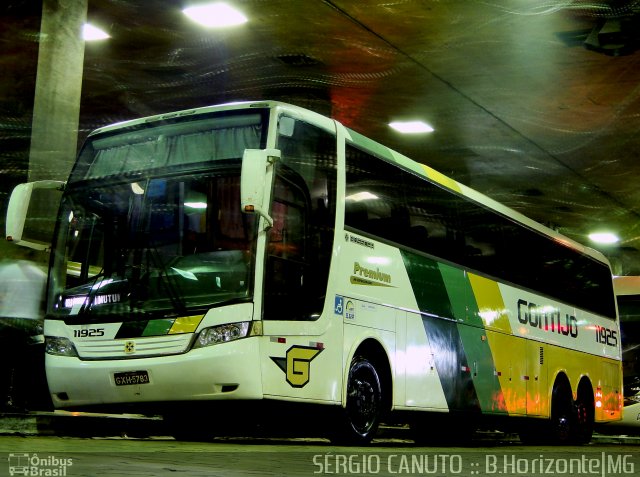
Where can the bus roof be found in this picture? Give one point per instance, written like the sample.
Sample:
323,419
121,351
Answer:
292,109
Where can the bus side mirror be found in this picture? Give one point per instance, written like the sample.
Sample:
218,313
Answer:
31,214
253,181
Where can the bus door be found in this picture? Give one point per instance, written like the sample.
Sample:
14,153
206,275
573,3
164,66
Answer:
302,345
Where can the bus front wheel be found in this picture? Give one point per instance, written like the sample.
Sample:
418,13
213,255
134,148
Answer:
360,418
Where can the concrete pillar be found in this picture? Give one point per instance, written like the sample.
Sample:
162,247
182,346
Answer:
56,111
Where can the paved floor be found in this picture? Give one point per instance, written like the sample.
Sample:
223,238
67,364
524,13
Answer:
73,444
163,456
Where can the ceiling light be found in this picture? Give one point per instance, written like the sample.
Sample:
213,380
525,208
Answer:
215,15
604,237
358,196
92,33
411,127
196,205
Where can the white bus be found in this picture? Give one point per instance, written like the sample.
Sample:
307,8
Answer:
627,289
211,262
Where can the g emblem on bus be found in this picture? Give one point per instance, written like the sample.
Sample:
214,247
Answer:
297,364
130,347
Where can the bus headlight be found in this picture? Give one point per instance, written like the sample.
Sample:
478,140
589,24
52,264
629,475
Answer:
59,346
222,334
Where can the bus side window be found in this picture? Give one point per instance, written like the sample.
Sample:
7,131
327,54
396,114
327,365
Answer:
356,214
286,266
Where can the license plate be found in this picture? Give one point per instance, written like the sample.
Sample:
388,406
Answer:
131,377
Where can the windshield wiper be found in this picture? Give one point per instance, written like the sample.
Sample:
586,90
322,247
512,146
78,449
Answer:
165,279
91,294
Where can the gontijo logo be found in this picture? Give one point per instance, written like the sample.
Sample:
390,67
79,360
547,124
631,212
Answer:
547,318
297,364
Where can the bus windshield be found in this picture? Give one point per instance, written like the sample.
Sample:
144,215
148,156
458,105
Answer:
137,241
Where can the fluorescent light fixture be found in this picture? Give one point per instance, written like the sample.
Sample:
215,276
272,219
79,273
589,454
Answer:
358,196
411,127
604,238
92,33
214,15
196,205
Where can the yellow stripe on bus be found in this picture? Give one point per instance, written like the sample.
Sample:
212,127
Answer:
494,315
440,178
186,324
491,306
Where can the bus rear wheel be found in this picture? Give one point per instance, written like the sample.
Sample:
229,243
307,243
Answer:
360,418
571,422
584,417
562,414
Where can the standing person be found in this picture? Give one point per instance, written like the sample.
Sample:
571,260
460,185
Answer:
22,287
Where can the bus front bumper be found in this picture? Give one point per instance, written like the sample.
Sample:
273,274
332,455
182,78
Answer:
227,371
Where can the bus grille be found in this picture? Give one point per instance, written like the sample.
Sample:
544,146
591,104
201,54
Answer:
134,347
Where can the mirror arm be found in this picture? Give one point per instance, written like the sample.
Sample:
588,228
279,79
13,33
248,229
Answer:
254,167
273,156
250,209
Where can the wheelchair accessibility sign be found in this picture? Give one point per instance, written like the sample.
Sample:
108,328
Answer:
344,308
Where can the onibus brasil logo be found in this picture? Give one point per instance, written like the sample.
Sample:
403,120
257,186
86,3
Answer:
34,465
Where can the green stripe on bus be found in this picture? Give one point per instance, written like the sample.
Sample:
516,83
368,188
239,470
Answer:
486,383
372,146
428,285
444,290
474,339
439,291
158,327
458,289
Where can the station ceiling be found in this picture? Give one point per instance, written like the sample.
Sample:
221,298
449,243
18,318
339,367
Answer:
534,103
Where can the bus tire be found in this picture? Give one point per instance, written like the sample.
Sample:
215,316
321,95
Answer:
562,420
584,416
360,418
